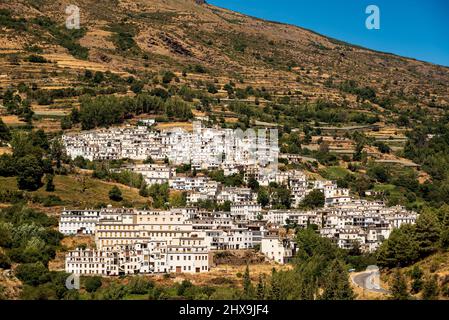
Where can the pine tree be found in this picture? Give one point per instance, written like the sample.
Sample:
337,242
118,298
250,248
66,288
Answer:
427,232
399,289
115,194
416,274
430,289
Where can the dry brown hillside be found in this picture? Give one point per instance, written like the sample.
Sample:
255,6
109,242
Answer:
144,36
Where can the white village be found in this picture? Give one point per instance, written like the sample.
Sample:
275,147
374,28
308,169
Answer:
183,240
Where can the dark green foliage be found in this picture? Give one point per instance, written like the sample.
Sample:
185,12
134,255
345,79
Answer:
114,291
398,288
427,232
314,199
5,134
5,262
16,106
280,196
416,274
66,123
382,147
49,185
248,288
235,180
260,289
318,261
109,110
401,248
430,288
29,173
34,58
253,184
143,191
124,37
33,274
363,93
262,197
67,38
28,235
336,286
432,154
167,77
160,195
379,173
139,285
411,242
92,284
8,21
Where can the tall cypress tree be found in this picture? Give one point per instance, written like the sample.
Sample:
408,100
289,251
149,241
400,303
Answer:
248,289
275,290
428,232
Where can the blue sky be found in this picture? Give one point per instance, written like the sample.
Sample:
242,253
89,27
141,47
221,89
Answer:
413,28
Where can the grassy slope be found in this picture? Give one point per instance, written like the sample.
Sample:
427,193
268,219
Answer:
70,190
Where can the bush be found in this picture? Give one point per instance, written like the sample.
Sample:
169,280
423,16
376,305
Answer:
139,285
36,59
33,274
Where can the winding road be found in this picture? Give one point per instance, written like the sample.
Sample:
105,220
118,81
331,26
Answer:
364,281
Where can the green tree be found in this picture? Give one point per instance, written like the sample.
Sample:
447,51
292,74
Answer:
248,289
22,145
139,285
281,198
430,288
274,290
143,191
29,173
160,195
416,275
178,200
5,262
336,285
399,290
49,186
315,199
401,249
260,290
57,151
427,232
262,197
253,183
5,133
33,274
92,284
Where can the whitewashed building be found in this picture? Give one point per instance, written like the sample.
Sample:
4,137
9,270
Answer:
73,222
